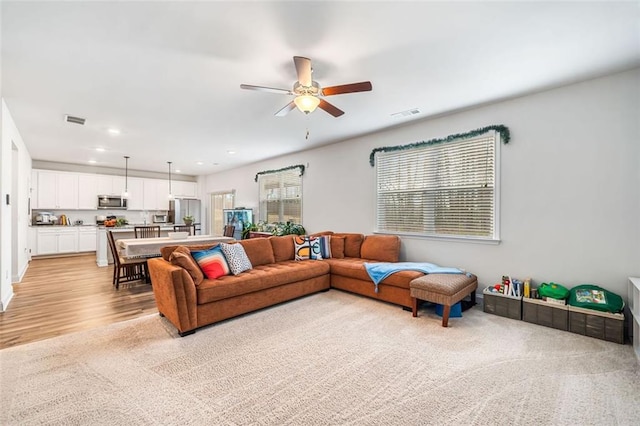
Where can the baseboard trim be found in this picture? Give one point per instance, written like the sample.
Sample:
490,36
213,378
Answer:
4,303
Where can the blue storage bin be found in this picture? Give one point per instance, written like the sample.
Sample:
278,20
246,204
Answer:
455,312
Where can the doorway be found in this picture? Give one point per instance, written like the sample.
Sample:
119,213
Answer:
220,201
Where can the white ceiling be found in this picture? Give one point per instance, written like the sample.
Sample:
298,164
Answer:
167,74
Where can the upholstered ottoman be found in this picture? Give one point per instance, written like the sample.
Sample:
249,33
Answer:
444,289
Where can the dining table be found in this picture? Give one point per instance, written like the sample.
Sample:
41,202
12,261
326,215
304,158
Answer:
135,248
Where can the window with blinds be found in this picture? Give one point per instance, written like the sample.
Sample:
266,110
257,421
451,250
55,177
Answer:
446,189
281,196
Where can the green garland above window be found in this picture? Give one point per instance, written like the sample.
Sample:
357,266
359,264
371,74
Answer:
267,172
503,130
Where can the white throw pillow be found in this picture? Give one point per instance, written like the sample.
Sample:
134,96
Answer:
236,258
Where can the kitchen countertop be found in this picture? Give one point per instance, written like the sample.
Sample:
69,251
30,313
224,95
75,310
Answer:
64,226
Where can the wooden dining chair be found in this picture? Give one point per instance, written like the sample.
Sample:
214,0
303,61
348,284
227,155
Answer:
229,230
125,270
191,229
147,231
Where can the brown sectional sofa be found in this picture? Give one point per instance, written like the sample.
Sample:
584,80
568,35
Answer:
276,277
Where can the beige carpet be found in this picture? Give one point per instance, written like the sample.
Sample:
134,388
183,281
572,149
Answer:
331,358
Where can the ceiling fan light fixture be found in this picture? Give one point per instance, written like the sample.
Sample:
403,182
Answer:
307,103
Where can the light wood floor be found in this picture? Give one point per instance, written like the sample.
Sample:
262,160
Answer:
67,294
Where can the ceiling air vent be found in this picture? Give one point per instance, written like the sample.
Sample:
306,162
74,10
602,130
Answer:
76,120
406,113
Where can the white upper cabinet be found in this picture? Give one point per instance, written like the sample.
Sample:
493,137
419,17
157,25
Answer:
34,189
87,192
57,190
183,189
110,185
135,187
156,194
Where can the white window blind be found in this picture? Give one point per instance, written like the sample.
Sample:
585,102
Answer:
446,189
281,196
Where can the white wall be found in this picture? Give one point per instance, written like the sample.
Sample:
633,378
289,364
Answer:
14,218
570,176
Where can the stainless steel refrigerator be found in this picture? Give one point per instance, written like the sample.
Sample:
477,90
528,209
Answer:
181,207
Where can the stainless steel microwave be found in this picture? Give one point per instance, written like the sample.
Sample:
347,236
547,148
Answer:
111,202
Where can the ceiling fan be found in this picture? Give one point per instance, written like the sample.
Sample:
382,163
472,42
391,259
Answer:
308,93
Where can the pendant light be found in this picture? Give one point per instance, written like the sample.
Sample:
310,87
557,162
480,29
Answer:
125,194
170,194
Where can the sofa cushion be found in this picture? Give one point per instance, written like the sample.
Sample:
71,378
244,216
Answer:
181,256
212,262
283,248
259,278
236,258
354,268
321,233
259,251
337,247
384,248
352,243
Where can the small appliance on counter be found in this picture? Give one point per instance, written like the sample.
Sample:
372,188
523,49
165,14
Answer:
45,218
159,218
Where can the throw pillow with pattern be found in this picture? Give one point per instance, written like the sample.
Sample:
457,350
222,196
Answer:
325,246
302,247
307,248
236,258
212,262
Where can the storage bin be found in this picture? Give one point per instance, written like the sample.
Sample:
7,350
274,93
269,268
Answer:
502,305
601,325
537,311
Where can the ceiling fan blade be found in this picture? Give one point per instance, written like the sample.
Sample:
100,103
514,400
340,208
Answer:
336,112
363,86
303,68
284,111
266,89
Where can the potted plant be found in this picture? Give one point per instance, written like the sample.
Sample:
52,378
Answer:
288,228
188,220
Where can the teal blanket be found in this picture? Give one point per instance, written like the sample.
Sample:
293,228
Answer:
380,271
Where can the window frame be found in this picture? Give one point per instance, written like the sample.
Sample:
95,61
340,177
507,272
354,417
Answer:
493,239
280,199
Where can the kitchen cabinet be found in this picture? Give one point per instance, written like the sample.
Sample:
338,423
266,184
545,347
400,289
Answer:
57,190
87,238
33,192
57,240
32,241
87,192
136,194
183,189
110,185
156,194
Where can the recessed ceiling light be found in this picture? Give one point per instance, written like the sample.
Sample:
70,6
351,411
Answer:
100,149
231,152
92,161
177,171
113,131
199,163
